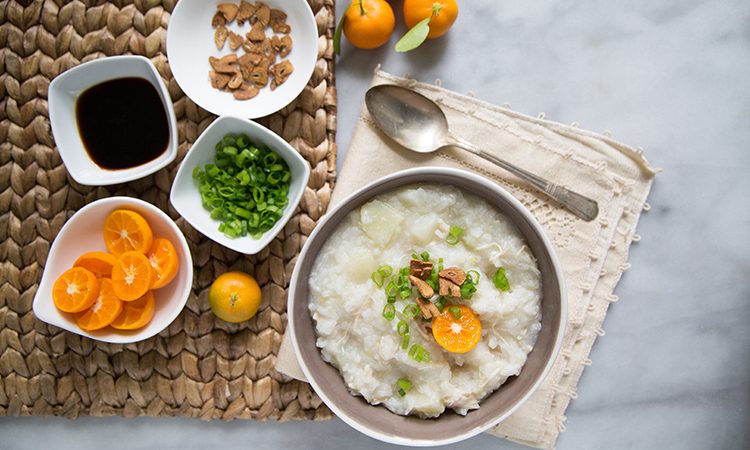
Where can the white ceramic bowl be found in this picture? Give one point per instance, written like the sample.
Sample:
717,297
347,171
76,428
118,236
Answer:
190,41
187,200
82,233
64,91
377,421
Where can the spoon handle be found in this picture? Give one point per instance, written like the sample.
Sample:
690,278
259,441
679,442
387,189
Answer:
583,207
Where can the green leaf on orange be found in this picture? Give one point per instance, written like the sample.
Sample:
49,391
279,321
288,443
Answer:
414,37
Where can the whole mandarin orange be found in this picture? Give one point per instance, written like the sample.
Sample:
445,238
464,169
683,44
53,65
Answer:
446,12
369,23
234,296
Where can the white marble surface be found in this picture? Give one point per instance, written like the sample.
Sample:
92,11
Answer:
673,77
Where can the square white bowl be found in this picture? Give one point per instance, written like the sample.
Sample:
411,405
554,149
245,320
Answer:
64,91
187,200
190,41
82,233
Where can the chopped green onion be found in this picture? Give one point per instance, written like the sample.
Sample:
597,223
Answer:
402,328
500,280
391,290
425,256
454,235
404,384
433,281
405,292
419,354
389,311
246,187
470,276
401,392
455,312
379,276
410,310
467,290
405,342
442,301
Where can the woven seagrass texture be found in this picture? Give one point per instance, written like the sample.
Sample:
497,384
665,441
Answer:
199,366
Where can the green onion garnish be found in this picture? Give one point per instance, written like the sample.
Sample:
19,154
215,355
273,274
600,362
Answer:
410,310
419,354
405,342
454,235
401,392
404,384
467,290
470,276
500,280
389,311
433,281
425,256
455,312
379,276
402,328
391,290
442,301
246,188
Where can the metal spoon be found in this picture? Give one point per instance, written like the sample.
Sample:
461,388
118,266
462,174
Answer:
418,123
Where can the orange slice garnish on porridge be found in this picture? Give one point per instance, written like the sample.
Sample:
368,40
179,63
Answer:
457,329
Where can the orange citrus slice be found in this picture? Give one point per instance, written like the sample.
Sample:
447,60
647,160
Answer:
135,314
132,276
75,290
104,310
457,335
164,260
126,231
100,263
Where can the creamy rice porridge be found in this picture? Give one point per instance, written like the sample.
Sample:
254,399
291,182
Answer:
349,299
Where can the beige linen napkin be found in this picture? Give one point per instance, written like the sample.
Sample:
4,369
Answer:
593,254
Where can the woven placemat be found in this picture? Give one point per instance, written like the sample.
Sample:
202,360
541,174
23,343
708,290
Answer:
199,366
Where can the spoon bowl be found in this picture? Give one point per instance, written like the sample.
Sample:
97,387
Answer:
418,124
411,119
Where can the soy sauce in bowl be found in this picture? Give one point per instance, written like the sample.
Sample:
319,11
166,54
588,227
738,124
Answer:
122,123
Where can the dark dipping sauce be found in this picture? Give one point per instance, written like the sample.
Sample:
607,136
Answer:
122,123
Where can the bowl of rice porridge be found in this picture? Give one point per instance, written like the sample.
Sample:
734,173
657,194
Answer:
427,307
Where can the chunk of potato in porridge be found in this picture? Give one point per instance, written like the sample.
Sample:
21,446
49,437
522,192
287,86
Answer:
365,338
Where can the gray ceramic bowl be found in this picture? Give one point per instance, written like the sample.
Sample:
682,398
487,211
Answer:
377,421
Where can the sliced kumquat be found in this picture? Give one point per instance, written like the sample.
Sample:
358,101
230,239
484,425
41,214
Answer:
104,310
132,276
457,335
136,314
75,290
164,260
100,263
126,231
